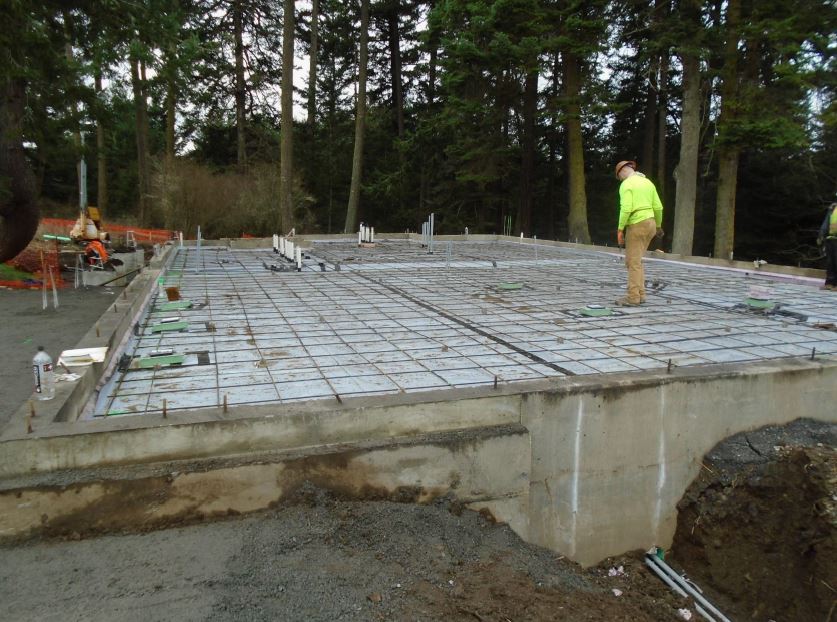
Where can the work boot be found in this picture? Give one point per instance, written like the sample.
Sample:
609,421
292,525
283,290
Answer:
625,302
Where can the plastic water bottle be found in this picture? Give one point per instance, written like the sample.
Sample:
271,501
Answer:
44,375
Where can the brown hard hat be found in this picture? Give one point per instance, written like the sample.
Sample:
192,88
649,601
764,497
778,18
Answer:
623,164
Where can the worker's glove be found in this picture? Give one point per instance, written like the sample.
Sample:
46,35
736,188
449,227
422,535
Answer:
820,241
660,233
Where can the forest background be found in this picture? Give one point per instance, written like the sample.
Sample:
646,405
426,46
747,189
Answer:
499,116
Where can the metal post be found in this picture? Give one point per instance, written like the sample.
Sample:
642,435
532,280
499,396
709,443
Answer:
82,179
198,256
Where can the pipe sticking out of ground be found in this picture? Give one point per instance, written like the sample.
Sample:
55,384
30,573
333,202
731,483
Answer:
665,572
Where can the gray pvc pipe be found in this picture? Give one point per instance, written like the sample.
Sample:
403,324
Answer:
661,573
692,592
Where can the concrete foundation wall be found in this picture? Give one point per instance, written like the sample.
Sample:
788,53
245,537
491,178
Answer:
408,470
609,466
587,467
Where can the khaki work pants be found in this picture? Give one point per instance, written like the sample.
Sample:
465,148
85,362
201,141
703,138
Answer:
637,239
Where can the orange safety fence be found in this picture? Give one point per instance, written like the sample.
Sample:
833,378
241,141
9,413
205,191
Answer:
32,266
62,226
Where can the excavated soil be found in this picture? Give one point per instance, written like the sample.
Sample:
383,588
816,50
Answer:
757,530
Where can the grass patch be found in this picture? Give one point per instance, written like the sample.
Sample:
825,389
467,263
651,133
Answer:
9,273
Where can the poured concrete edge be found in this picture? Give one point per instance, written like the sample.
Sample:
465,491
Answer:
211,432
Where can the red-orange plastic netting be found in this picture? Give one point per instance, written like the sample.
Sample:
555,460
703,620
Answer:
62,226
32,265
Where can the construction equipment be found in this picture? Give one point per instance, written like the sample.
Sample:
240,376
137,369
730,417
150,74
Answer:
88,226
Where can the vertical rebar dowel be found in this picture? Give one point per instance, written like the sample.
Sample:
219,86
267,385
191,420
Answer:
448,255
495,382
165,413
668,369
225,402
431,233
535,238
198,248
813,352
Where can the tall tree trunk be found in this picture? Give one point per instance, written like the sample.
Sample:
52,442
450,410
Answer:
649,137
395,68
527,164
554,137
171,111
140,116
430,93
240,87
577,221
725,204
68,54
685,175
101,150
287,150
360,121
728,152
432,61
662,116
312,63
18,208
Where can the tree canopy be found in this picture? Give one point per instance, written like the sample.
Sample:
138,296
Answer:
496,115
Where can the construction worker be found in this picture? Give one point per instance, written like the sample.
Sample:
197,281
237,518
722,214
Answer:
828,237
95,253
640,220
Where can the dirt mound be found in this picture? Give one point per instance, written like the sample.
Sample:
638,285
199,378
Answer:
327,559
757,529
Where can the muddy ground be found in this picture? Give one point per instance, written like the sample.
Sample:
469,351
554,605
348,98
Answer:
756,532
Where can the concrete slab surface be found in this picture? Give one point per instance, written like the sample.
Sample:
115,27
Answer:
396,319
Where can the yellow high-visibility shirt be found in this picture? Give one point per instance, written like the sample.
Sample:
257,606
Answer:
638,201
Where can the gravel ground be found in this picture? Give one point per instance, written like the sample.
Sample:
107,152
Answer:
322,559
25,325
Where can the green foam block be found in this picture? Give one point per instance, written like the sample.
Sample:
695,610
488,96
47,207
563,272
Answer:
147,362
757,303
595,311
175,305
169,326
